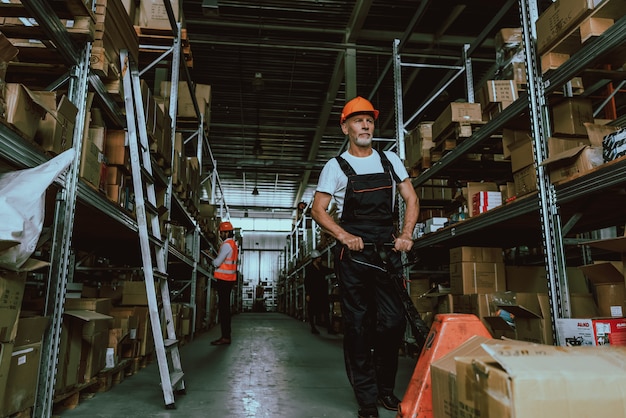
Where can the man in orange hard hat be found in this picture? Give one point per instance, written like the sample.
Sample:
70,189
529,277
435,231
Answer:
226,276
363,182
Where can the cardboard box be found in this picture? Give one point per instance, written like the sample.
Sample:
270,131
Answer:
55,132
573,162
534,279
552,61
134,293
474,187
69,354
456,112
445,399
525,180
144,328
476,254
23,374
116,150
558,19
608,282
152,14
569,116
24,109
185,104
6,349
591,331
469,277
443,377
92,157
521,153
542,381
497,91
559,145
510,137
418,143
100,305
12,286
95,337
532,317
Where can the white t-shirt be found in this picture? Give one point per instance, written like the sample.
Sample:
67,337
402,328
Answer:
333,180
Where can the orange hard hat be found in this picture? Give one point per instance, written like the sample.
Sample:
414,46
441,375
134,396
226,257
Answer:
226,226
356,106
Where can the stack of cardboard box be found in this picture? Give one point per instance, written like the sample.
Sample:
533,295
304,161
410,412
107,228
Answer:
495,378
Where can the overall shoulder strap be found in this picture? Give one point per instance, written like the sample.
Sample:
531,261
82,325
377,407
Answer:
345,167
387,166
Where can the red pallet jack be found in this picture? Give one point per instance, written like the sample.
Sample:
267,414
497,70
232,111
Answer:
447,332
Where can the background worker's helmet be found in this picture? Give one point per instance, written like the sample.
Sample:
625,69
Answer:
356,106
315,254
226,226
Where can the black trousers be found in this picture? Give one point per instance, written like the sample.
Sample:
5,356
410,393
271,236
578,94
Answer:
224,288
373,320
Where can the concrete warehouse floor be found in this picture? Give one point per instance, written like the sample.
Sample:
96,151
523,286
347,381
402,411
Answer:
274,368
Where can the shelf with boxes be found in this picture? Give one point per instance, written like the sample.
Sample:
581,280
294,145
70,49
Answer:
580,186
526,190
94,208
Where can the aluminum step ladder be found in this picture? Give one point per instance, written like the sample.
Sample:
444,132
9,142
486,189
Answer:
153,247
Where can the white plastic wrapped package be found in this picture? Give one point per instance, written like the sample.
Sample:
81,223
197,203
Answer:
22,208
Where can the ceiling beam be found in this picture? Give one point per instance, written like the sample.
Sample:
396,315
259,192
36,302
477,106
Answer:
359,13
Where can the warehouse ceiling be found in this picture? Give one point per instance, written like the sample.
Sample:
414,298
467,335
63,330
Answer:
281,71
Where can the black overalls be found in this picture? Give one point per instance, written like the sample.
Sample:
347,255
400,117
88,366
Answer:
372,312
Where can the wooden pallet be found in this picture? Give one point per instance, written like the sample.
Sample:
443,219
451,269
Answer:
108,378
156,41
70,398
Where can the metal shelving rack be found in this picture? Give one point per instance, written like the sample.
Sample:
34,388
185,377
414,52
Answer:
549,197
22,154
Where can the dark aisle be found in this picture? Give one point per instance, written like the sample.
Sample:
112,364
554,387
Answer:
275,368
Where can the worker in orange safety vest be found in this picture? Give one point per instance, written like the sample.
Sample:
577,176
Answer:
226,276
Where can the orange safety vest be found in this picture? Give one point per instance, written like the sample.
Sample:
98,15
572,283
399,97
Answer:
228,269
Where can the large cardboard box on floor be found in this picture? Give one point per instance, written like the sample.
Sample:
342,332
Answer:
542,381
444,377
19,391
